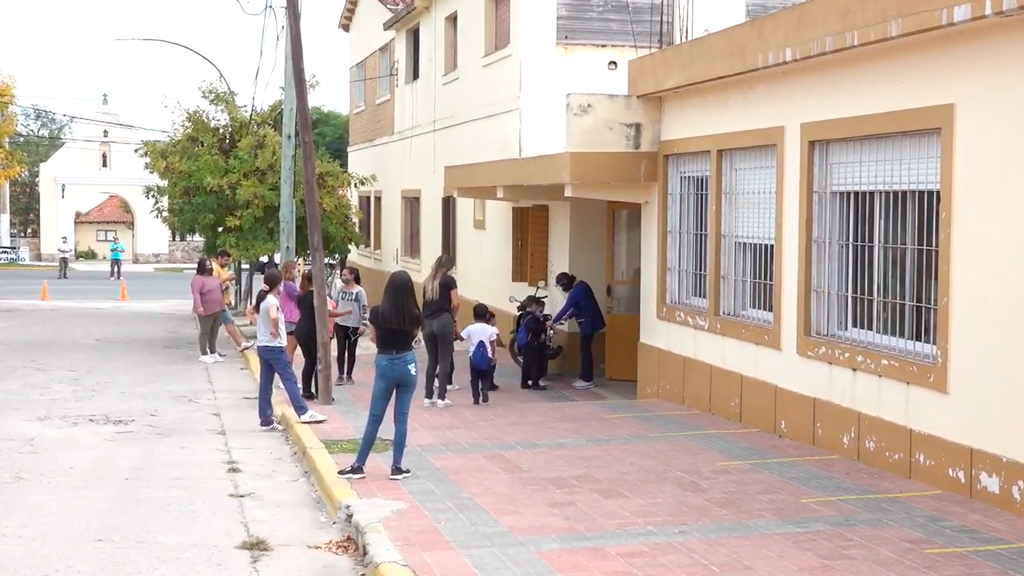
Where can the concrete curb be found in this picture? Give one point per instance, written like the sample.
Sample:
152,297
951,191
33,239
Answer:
380,554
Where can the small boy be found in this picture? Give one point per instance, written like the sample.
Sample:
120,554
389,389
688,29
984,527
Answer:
481,337
530,340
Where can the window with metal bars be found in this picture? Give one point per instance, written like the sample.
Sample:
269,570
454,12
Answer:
411,228
747,237
686,277
875,243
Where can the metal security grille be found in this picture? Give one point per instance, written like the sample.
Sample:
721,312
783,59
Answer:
689,176
748,234
875,243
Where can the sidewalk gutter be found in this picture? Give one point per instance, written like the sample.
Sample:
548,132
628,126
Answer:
380,554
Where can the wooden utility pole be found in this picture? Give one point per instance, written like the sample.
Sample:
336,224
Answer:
287,210
312,197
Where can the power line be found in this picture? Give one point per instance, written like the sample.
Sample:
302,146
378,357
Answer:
94,121
72,139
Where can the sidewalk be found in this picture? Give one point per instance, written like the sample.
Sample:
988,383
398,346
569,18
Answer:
571,483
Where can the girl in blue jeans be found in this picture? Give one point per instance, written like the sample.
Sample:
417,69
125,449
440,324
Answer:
271,347
394,325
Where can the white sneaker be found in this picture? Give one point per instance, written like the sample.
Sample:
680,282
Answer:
246,346
453,386
216,358
427,402
206,359
444,403
581,385
311,417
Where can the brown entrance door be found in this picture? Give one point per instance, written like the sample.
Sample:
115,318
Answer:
622,305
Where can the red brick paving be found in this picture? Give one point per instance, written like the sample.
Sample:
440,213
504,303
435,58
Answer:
548,490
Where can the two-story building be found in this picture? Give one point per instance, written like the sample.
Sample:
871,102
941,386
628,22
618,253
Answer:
449,95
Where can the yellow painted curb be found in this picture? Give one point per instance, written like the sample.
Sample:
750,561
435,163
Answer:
335,492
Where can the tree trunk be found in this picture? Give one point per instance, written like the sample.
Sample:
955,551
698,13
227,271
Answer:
247,289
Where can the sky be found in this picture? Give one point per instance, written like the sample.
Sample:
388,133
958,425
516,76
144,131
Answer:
65,54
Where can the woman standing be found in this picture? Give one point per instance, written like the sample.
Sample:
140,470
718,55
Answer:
289,304
305,335
207,305
581,304
270,347
394,324
351,297
440,305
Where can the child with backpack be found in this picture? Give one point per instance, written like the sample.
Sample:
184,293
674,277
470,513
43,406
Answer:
481,337
530,341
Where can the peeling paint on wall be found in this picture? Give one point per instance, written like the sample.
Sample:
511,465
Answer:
1018,491
989,482
961,13
958,474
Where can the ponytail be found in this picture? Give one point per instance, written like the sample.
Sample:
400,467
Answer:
271,279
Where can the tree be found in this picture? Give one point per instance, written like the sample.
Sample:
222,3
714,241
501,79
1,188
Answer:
10,160
330,133
40,134
220,173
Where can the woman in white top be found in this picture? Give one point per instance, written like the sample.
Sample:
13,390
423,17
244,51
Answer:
271,347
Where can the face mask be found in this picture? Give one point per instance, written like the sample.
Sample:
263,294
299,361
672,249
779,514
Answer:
346,279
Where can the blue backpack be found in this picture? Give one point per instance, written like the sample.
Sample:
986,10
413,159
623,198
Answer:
480,359
522,335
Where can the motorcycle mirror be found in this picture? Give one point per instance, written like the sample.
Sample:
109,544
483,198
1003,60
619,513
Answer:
512,299
542,284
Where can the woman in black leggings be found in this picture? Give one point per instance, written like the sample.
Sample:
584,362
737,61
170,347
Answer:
305,334
349,295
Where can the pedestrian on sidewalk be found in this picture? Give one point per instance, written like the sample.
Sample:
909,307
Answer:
271,345
306,334
116,250
349,295
581,304
440,305
482,338
227,279
65,250
530,339
207,305
289,304
394,325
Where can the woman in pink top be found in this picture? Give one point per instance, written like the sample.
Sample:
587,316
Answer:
207,304
290,304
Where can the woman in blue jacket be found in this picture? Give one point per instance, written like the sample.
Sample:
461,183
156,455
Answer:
581,304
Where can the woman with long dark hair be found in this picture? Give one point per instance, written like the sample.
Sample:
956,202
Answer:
581,304
394,325
207,305
440,305
305,335
271,347
348,295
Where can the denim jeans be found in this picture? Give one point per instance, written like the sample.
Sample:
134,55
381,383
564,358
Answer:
395,376
274,360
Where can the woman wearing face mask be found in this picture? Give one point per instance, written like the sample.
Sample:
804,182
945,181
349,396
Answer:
350,300
305,333
581,304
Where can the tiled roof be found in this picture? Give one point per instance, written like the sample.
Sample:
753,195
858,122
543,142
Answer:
395,5
110,211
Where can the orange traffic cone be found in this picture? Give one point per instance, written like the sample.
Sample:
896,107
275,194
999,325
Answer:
124,291
46,292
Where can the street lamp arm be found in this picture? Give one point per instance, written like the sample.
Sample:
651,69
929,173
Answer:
210,62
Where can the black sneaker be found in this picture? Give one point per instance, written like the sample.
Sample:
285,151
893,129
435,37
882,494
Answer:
485,398
398,473
524,385
476,401
354,472
539,387
493,388
308,396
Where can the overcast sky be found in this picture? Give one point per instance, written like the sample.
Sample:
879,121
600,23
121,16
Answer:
64,54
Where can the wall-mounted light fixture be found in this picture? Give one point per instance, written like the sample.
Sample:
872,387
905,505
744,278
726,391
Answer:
62,187
613,65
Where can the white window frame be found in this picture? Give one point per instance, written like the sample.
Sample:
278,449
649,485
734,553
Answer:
688,230
749,178
384,72
359,99
869,181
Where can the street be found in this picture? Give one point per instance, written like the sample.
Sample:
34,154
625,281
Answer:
120,454
93,285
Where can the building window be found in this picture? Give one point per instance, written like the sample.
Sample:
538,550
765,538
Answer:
689,177
106,235
875,243
498,25
377,212
480,214
748,234
359,86
530,244
451,43
411,228
384,71
412,54
448,225
365,215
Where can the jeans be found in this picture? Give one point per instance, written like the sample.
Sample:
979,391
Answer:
439,339
348,343
209,329
62,270
115,264
587,357
274,360
395,375
479,382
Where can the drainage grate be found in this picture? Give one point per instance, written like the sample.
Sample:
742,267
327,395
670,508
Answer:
556,396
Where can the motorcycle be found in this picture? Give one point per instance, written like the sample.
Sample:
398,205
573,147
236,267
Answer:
553,351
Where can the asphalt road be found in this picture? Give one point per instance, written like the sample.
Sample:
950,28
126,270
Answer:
93,285
120,454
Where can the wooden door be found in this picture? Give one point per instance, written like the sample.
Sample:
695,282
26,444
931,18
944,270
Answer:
622,303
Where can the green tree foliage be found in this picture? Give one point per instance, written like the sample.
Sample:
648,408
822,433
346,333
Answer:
40,134
221,179
330,133
10,161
